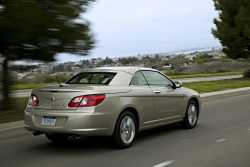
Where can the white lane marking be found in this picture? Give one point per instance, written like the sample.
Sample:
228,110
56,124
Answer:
222,140
248,129
163,164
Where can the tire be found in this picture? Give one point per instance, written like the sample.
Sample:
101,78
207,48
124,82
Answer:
191,116
57,138
125,130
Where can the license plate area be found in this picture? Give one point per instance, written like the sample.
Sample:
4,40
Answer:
48,121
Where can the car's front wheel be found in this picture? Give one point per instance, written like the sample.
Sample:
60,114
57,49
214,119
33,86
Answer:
191,116
125,130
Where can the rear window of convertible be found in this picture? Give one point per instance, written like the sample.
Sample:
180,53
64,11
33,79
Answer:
95,78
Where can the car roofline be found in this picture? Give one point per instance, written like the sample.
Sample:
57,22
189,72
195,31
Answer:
126,69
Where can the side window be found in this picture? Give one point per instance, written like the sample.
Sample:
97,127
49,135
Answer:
138,79
157,79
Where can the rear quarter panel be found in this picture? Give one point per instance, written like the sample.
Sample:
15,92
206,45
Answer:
138,98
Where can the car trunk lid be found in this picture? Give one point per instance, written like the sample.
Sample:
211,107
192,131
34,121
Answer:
58,97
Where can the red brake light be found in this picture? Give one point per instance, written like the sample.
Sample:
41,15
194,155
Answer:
34,100
86,101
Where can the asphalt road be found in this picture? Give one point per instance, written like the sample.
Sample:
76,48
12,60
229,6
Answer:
222,139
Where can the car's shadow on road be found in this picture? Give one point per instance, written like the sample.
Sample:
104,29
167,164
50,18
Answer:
84,144
103,144
159,131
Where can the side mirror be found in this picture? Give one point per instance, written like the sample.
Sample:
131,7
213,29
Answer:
178,84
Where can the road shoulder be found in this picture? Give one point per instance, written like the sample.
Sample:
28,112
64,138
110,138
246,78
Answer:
11,126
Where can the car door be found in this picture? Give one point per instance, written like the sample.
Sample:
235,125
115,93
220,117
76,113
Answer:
167,100
142,97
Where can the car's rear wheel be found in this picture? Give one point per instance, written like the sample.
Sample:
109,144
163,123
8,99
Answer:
191,116
57,138
125,130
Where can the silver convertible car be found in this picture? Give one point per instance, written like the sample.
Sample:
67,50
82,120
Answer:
111,101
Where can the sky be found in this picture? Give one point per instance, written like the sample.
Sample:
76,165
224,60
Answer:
131,27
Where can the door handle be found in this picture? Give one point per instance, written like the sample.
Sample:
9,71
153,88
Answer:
157,91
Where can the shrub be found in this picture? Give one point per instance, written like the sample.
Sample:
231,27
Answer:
247,73
45,78
54,78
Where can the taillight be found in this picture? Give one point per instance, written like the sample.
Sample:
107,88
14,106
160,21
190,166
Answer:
86,101
34,101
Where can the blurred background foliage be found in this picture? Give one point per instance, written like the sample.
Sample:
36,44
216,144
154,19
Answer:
233,27
40,29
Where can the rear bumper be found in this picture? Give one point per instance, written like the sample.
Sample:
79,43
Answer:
71,122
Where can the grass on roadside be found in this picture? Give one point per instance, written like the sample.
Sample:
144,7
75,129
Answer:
195,75
21,86
212,86
17,111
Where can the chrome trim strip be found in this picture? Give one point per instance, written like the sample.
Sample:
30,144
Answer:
162,119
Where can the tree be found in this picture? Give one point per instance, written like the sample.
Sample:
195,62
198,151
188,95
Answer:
128,60
233,27
39,30
108,61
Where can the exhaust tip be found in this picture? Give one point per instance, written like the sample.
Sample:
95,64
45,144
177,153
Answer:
36,133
